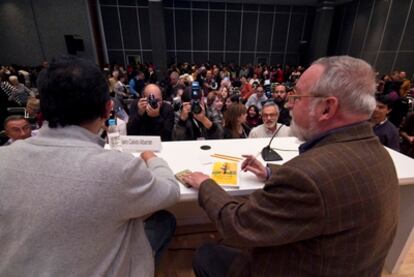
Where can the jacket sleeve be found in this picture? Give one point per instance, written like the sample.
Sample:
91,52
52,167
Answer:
289,208
146,188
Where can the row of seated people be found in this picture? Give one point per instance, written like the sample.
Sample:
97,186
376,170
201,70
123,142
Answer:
218,116
246,89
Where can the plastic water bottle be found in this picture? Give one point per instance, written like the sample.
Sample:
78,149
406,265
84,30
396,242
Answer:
114,138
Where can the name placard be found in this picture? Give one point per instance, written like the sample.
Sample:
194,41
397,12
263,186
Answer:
133,144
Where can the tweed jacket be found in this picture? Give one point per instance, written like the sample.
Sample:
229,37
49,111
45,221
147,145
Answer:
68,207
331,211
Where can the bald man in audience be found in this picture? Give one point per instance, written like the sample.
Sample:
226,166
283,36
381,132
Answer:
150,115
17,127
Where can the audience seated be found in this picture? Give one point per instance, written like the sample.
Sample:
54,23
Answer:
215,107
270,114
253,118
245,90
234,83
235,122
279,95
17,127
386,132
137,84
33,112
21,93
257,98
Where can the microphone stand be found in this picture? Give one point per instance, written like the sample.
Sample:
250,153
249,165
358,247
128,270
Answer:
268,154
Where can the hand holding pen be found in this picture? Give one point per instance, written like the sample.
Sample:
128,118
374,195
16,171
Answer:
255,166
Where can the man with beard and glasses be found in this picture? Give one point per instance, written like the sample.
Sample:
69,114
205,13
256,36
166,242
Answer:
332,210
279,95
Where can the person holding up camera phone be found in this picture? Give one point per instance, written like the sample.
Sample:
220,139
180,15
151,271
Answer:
193,121
150,116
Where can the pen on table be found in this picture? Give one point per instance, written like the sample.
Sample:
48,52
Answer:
225,157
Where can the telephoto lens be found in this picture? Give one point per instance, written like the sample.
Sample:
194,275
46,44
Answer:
195,98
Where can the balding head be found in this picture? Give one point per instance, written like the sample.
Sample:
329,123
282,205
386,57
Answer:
153,89
174,76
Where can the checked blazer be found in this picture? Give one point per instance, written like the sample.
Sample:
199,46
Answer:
331,211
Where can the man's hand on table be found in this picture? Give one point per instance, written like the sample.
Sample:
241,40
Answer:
255,166
146,155
195,179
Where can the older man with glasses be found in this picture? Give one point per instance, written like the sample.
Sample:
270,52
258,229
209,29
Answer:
270,115
332,210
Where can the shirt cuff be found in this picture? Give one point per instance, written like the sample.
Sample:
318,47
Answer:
268,173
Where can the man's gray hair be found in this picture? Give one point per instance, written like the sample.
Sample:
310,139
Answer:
269,103
349,79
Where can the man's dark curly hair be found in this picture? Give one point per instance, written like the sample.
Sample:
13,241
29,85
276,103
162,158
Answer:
72,91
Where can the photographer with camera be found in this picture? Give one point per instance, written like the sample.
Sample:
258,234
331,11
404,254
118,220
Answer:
150,115
193,121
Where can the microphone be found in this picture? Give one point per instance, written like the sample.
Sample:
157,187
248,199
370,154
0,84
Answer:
268,154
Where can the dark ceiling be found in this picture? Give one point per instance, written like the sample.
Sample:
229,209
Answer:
280,2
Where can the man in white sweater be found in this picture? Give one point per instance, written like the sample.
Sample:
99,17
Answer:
270,115
68,206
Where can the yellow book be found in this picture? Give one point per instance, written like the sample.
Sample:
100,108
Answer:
225,174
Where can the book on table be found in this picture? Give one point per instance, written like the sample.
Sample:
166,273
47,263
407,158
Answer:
225,174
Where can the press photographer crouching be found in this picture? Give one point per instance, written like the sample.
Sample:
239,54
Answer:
150,115
193,121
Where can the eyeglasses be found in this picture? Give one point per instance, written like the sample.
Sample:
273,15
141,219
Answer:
293,96
269,115
279,91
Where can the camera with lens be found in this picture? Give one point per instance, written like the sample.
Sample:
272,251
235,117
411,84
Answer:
195,98
213,85
234,91
152,101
